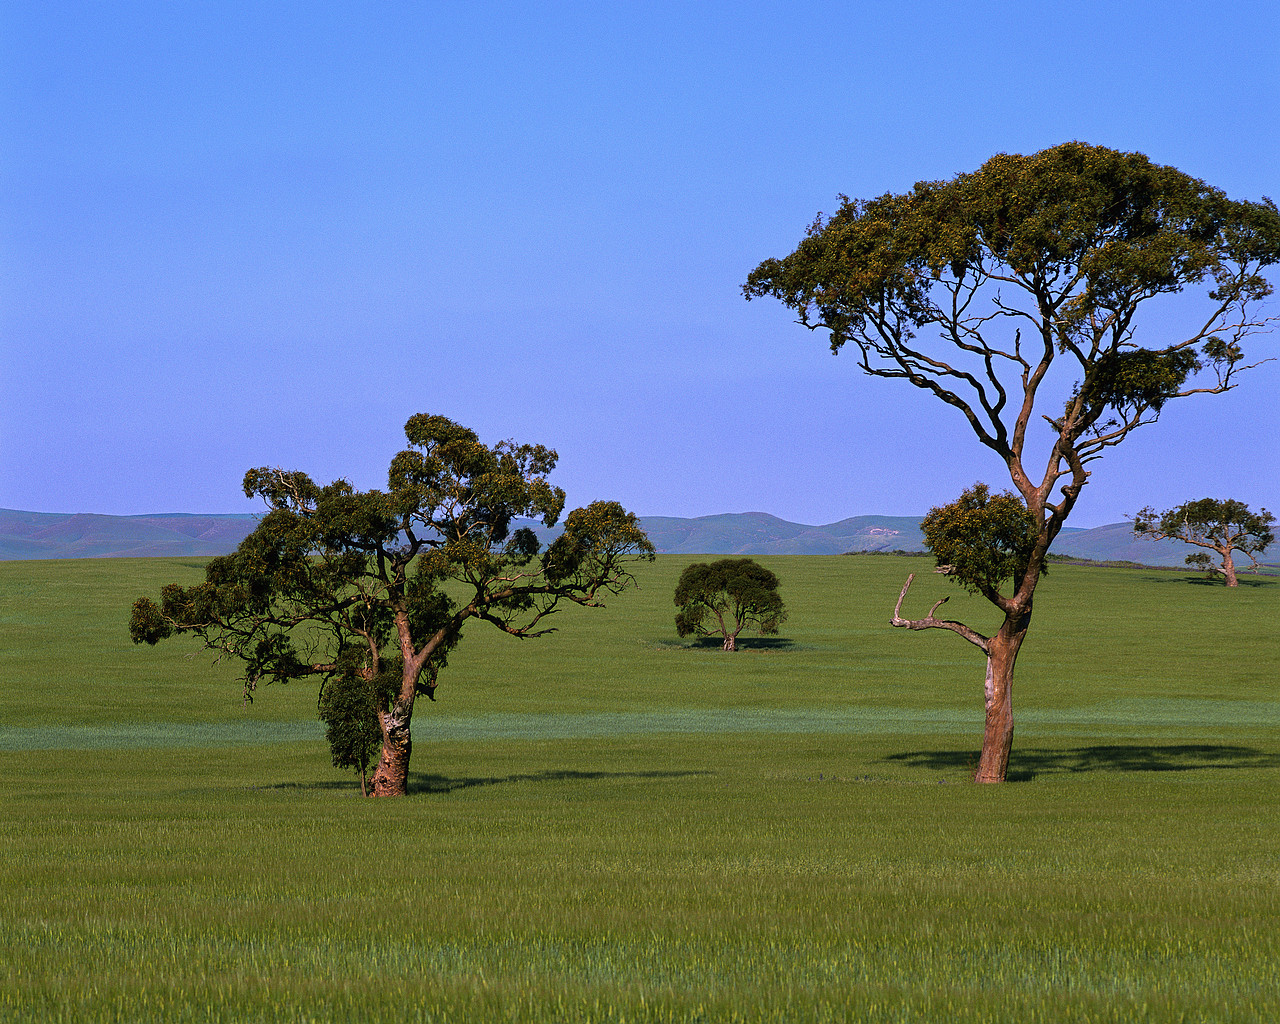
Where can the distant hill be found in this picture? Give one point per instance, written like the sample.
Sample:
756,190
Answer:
83,535
25,535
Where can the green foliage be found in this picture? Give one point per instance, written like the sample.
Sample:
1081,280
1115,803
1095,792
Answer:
1223,526
937,287
1125,227
1202,562
734,592
349,706
981,539
334,578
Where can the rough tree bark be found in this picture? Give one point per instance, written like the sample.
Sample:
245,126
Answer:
391,778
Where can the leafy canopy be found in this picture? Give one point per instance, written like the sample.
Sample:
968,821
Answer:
334,578
725,596
981,539
1226,525
982,288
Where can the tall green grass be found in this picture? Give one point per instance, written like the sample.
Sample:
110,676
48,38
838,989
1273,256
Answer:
610,824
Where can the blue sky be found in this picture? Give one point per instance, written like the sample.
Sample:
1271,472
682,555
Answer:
241,234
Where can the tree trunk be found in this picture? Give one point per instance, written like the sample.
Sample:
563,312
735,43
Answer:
997,737
1229,569
730,642
392,775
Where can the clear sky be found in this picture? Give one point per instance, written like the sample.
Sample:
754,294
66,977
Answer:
238,234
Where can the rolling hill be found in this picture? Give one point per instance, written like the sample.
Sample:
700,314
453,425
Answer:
25,535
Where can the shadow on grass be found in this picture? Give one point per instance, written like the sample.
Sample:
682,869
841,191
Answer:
715,643
1244,580
422,783
1025,765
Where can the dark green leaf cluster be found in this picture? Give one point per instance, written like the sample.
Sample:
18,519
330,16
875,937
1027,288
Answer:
1209,522
981,539
1067,243
1113,224
349,705
395,575
723,597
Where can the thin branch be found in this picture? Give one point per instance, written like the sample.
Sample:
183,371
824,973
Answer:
929,622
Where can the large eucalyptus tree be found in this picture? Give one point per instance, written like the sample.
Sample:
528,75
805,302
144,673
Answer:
1013,294
337,583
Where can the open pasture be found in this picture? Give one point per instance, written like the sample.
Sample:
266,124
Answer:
611,824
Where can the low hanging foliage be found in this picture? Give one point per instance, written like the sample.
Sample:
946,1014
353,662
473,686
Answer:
723,597
981,539
369,590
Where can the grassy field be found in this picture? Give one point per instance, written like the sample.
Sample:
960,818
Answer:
610,824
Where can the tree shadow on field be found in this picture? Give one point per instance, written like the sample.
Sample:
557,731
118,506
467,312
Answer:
1244,580
422,783
1026,764
331,784
744,643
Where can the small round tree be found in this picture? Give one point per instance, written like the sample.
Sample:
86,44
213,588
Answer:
1220,526
723,597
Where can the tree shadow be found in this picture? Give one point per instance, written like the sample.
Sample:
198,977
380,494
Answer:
1243,579
329,784
744,643
424,783
1026,764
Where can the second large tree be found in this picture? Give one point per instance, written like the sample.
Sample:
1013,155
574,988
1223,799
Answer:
1012,294
377,585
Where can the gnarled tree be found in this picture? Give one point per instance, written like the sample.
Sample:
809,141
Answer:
1016,289
378,585
724,597
1220,526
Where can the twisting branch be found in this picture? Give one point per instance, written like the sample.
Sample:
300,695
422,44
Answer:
929,622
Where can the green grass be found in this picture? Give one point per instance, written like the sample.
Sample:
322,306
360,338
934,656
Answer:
609,824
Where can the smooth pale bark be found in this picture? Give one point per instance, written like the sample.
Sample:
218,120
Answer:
1228,567
997,735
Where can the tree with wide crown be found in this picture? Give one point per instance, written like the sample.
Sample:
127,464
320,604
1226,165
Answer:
377,586
1012,294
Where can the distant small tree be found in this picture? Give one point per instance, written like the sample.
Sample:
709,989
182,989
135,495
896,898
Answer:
1220,526
723,597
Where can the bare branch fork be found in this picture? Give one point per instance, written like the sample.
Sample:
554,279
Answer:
929,622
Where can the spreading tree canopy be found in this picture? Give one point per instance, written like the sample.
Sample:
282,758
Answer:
723,597
1220,526
1012,294
343,584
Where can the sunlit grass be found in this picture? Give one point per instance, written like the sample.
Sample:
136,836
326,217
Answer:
606,825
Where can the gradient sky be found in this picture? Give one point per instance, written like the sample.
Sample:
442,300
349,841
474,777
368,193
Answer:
241,234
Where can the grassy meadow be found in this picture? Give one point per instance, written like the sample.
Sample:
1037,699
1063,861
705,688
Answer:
613,824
